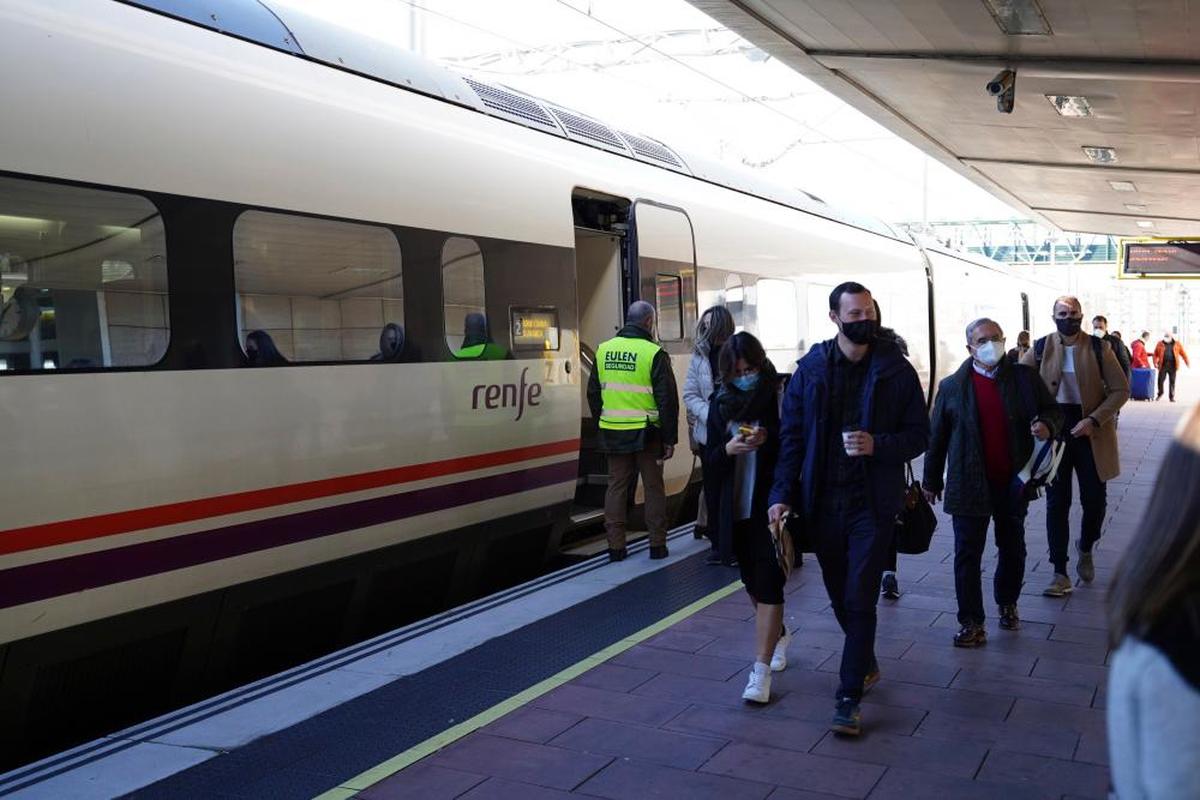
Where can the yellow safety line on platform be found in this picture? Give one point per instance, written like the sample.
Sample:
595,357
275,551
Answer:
431,745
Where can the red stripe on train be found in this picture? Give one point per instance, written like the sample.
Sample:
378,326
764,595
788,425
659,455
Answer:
33,537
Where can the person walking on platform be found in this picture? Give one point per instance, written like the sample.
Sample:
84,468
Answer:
740,455
632,392
853,415
1167,355
1090,387
713,330
978,437
1139,355
889,586
1154,627
1124,358
1014,355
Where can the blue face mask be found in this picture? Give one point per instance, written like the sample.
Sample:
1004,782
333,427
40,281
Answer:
746,382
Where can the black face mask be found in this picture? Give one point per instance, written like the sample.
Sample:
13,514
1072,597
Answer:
862,331
1068,326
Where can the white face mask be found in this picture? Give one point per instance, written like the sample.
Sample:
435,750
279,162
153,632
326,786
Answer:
989,353
1098,332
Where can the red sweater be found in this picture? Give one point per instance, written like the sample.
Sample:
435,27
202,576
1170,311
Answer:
993,429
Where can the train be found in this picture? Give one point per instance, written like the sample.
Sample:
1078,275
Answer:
295,330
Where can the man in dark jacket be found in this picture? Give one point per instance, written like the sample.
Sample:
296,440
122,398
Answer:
979,439
853,415
1124,357
632,393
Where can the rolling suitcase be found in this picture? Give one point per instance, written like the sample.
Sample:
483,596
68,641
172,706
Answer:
1141,384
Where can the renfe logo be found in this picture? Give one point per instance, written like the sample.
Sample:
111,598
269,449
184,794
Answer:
508,395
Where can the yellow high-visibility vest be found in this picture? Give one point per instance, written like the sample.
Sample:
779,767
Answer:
626,390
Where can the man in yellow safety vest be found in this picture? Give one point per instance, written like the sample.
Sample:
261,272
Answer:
632,393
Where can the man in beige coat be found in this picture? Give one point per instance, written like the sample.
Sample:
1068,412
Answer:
1086,379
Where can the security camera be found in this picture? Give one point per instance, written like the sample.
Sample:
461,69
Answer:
1003,82
1004,88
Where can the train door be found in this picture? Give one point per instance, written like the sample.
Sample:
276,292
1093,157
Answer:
603,286
665,247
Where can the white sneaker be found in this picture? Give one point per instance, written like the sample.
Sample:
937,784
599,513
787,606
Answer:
758,688
779,657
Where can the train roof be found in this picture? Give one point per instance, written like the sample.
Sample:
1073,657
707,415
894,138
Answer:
301,35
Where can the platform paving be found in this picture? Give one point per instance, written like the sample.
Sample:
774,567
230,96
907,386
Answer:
1022,717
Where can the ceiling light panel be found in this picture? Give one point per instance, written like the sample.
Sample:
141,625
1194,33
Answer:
1019,17
1136,208
1122,186
1145,223
1070,105
1100,155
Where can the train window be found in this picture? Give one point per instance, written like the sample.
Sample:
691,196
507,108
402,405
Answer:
316,289
668,292
464,307
778,316
83,278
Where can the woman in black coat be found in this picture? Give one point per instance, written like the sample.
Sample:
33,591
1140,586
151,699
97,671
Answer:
742,448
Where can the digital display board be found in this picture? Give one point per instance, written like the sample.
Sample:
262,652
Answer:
1163,258
534,328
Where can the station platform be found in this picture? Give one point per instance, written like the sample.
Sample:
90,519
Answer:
625,681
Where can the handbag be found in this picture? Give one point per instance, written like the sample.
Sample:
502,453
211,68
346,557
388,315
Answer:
916,522
785,551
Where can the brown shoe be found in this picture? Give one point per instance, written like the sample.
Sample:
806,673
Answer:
970,635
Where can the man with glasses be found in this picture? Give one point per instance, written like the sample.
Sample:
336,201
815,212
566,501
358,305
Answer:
1090,387
981,428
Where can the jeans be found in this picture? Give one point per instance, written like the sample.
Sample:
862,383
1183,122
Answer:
1077,458
852,545
970,539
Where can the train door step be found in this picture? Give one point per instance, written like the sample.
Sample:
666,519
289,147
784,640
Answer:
586,548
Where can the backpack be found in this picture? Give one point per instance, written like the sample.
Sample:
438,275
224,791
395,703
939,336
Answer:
1039,347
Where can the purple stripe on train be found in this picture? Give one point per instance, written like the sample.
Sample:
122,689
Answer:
33,582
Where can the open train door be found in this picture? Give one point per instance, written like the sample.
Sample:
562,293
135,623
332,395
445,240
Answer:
663,241
604,288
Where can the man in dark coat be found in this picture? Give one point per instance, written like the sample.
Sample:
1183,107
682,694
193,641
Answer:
983,423
853,415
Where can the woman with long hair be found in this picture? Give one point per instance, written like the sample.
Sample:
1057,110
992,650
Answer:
713,330
742,448
1154,622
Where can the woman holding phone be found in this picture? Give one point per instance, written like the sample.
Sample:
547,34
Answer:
740,454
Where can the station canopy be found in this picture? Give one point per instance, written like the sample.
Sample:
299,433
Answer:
1103,132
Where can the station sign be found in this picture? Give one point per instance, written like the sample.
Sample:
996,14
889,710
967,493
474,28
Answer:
1160,257
534,328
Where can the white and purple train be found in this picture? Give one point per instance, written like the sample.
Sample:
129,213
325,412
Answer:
247,264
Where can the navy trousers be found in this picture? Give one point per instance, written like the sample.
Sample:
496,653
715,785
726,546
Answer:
970,539
852,546
1093,495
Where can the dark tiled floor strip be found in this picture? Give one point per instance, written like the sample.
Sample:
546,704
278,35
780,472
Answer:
309,758
1022,717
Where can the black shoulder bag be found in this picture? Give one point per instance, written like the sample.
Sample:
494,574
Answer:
916,522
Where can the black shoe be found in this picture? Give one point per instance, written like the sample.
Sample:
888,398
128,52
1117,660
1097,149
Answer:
700,532
847,720
890,587
1009,619
618,554
970,635
713,559
658,551
730,562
